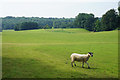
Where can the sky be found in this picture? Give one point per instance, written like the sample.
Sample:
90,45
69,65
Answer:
55,8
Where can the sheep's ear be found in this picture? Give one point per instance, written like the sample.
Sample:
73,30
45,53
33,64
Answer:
89,52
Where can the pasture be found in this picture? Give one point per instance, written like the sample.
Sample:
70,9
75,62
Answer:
46,53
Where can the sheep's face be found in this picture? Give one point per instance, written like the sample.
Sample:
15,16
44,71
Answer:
91,54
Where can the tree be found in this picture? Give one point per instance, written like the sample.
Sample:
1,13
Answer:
119,7
118,22
84,20
46,26
26,26
119,10
29,25
118,18
109,20
97,26
0,25
17,27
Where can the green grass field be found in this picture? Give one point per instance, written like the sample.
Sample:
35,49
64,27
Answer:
46,53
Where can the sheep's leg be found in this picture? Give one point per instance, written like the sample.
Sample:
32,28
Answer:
74,64
72,61
83,65
88,65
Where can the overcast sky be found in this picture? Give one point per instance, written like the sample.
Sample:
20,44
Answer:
55,8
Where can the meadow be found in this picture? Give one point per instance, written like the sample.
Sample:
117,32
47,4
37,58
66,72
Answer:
45,53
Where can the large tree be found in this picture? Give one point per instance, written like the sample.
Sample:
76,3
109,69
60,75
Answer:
109,20
84,20
118,18
119,10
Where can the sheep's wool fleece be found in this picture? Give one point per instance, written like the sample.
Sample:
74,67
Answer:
79,57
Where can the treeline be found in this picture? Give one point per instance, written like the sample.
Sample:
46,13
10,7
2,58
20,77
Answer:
10,22
109,21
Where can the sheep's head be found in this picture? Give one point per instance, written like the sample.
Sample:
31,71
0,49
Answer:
91,54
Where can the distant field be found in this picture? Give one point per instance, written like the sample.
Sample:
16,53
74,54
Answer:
46,53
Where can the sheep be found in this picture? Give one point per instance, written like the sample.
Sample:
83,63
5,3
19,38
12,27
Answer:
80,58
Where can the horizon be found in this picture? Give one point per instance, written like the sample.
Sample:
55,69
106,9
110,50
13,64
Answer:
55,9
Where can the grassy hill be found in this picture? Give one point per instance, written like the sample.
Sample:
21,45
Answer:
46,53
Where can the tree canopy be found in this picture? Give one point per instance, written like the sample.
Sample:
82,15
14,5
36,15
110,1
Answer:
109,20
84,20
10,22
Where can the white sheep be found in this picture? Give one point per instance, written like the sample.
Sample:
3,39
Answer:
80,58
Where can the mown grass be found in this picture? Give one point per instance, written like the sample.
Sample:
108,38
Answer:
46,53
